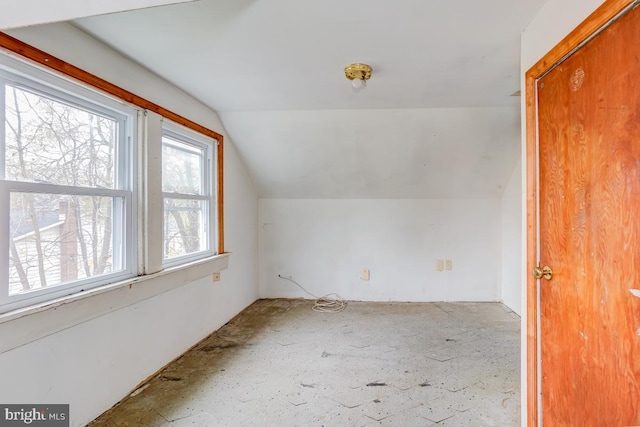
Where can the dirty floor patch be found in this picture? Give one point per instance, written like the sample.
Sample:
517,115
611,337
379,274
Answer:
396,364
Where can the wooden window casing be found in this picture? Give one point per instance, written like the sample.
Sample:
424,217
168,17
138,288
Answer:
36,55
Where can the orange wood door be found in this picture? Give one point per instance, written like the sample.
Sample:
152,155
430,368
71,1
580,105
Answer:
589,190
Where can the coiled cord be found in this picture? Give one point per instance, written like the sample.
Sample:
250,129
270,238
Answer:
330,303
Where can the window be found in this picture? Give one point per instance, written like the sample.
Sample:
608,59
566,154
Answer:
65,177
82,202
187,190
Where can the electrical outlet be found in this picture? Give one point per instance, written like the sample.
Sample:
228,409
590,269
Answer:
364,274
439,265
448,265
215,277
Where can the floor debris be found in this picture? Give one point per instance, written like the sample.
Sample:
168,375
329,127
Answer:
247,373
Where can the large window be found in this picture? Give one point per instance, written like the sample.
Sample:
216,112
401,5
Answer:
97,185
188,195
66,191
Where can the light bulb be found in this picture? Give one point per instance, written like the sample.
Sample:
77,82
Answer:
358,84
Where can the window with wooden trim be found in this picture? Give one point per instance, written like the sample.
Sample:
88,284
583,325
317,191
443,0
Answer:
66,190
69,178
188,189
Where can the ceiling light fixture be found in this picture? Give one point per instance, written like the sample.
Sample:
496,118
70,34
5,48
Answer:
358,74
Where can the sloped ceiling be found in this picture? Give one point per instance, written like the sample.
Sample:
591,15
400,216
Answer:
409,153
436,120
32,12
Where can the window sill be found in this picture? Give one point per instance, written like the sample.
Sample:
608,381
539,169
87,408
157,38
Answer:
28,324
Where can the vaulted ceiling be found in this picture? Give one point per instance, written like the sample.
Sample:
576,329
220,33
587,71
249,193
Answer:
22,13
437,118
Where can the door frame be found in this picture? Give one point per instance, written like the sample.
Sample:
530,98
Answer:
600,17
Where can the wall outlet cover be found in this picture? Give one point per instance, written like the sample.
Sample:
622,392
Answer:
365,274
439,265
448,265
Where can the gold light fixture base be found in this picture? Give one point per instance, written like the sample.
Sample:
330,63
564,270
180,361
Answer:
358,71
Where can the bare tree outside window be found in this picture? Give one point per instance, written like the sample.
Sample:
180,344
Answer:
186,197
56,237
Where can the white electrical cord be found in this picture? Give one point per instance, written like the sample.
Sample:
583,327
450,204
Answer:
330,303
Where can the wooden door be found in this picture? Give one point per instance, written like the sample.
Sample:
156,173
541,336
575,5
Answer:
589,216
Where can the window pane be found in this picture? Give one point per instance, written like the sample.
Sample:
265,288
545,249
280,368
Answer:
183,227
58,238
181,167
48,141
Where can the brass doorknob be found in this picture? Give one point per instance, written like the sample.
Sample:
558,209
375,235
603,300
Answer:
545,272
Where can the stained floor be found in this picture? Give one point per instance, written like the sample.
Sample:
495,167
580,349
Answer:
279,363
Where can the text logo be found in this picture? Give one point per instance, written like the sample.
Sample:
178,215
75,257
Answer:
34,415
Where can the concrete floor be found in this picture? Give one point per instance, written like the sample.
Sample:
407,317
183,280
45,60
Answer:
279,363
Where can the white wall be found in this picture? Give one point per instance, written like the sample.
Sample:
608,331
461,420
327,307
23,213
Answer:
324,244
94,364
511,216
554,21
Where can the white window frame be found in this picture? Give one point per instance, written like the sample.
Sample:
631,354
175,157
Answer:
33,79
143,197
209,184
